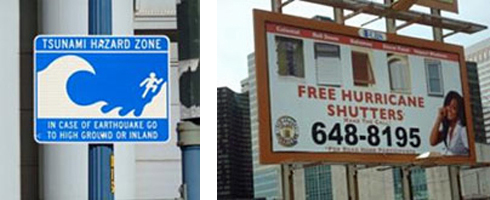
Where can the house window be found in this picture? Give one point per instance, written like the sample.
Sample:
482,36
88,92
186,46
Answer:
434,77
399,71
290,57
328,67
362,69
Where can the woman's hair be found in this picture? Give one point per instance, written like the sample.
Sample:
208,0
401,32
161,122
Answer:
460,115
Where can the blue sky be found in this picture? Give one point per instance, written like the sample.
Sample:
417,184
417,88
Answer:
235,30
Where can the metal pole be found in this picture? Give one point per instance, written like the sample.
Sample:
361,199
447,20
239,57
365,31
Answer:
454,182
101,172
276,6
390,23
406,183
436,31
287,182
352,186
338,14
189,142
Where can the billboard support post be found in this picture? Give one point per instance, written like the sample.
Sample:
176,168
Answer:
406,183
437,31
454,182
390,23
276,6
287,182
338,15
353,189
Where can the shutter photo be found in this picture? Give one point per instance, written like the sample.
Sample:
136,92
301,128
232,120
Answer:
328,65
360,68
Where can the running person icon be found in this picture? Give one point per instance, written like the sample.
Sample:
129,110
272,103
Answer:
150,83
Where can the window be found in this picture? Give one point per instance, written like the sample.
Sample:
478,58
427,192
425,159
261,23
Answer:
399,71
328,67
362,69
434,77
290,57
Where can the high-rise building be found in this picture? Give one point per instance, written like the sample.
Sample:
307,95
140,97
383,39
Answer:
234,151
476,102
479,53
266,178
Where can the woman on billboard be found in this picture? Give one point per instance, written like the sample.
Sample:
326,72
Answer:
451,119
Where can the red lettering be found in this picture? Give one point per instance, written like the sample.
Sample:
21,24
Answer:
322,93
412,101
373,111
358,97
369,97
311,92
330,110
378,98
401,101
301,90
400,115
382,114
391,114
331,94
346,95
392,99
363,109
353,111
341,110
421,102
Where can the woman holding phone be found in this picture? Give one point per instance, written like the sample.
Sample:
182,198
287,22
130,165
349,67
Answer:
450,126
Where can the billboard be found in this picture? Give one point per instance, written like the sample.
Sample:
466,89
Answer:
328,92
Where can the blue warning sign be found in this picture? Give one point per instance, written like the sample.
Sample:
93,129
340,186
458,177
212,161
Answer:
101,89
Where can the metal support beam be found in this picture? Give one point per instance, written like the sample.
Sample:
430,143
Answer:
101,182
437,31
390,23
454,182
287,182
371,21
338,14
406,24
286,3
352,186
276,6
406,183
353,14
449,34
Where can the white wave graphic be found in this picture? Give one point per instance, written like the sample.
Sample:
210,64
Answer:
54,102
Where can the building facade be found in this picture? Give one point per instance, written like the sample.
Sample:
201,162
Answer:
234,150
479,54
267,180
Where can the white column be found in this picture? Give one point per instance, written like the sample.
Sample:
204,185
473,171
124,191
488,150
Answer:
64,168
9,101
124,154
